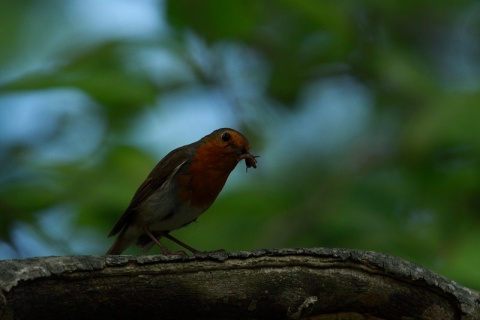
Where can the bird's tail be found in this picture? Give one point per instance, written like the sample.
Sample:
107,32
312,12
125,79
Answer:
123,241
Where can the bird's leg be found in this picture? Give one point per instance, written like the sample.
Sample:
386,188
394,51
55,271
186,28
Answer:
195,251
168,236
165,251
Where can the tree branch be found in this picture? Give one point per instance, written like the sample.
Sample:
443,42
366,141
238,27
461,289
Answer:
262,284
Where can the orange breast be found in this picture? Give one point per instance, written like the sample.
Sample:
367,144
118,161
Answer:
206,175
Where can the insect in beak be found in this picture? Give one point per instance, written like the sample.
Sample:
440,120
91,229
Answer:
250,160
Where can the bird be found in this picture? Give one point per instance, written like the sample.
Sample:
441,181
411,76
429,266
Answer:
182,186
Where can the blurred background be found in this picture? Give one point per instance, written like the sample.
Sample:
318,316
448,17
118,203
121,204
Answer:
366,116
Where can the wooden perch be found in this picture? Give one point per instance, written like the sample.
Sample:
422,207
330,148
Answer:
262,284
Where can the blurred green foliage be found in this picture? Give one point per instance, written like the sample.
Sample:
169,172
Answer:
407,182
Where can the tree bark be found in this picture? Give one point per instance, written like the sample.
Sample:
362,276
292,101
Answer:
263,284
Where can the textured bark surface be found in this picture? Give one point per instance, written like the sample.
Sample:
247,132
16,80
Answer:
263,284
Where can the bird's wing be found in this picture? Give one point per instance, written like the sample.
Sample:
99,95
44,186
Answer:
164,170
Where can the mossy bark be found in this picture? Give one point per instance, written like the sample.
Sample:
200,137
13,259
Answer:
263,284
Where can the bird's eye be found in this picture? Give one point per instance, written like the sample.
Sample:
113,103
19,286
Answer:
226,136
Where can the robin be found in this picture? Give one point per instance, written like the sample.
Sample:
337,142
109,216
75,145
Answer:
182,186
